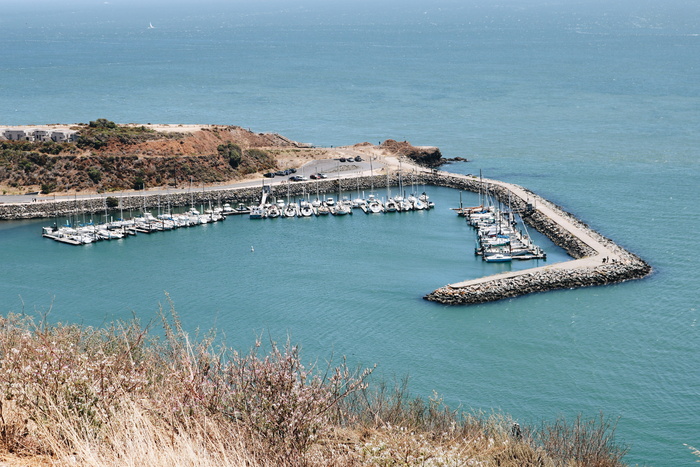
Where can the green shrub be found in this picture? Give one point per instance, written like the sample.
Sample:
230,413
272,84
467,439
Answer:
256,160
231,152
26,165
100,132
38,158
95,174
102,123
51,147
139,183
47,188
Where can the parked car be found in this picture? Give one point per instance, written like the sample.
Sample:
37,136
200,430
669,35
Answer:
322,175
269,175
298,178
358,159
281,173
342,159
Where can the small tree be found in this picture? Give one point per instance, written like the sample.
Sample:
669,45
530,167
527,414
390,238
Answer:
139,183
102,123
232,152
112,202
95,174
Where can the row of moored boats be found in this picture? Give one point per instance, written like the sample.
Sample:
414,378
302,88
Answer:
500,237
89,232
339,207
146,223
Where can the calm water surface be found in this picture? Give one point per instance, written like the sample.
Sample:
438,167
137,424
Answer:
593,106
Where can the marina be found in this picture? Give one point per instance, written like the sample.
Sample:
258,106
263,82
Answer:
336,206
269,207
593,106
597,261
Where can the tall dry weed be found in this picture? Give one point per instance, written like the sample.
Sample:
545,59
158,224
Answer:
587,442
128,395
72,383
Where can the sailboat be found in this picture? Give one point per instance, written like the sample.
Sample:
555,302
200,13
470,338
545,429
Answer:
150,25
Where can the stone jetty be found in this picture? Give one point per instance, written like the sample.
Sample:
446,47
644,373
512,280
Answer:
597,260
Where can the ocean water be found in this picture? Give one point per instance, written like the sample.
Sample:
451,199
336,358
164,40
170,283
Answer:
593,106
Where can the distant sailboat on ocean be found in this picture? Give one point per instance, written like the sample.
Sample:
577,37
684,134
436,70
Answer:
150,25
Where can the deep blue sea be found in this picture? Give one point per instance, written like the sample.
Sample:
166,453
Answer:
594,105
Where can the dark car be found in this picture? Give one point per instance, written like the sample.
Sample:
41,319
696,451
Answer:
342,159
314,177
292,170
269,175
358,159
281,173
298,178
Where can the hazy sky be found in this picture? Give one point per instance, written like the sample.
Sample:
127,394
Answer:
370,10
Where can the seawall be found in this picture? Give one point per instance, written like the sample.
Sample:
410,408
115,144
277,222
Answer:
48,208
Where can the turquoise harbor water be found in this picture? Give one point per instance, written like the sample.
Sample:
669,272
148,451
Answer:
593,106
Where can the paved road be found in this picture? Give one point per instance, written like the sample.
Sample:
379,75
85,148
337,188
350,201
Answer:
332,167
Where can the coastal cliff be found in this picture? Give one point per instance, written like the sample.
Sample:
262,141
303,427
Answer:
423,156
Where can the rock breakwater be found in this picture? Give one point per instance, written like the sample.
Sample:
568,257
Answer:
498,288
599,260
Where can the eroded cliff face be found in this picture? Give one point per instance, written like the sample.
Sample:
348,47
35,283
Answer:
421,155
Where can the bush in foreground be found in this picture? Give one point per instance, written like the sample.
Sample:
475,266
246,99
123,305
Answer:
122,395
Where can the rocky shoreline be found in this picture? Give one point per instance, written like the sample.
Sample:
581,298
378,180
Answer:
48,208
539,281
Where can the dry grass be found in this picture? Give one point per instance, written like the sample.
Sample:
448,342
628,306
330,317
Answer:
124,395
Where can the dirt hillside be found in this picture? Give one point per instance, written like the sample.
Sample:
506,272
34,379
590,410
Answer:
109,157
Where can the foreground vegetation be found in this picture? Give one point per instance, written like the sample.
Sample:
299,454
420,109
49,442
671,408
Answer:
128,395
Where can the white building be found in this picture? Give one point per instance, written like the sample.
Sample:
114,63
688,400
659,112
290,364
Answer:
16,135
41,135
64,136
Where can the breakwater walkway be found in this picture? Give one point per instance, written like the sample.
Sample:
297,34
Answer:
598,260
